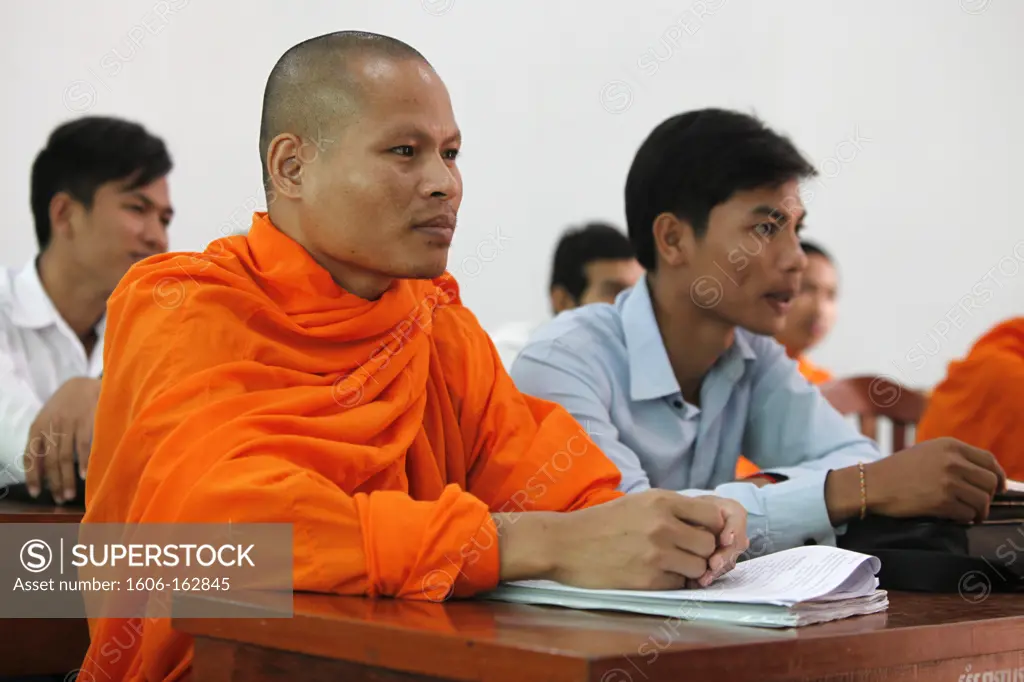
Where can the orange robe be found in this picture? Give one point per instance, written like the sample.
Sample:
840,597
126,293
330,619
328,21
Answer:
981,400
814,374
243,384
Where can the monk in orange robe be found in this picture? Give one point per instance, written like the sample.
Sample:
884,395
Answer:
980,400
811,316
322,371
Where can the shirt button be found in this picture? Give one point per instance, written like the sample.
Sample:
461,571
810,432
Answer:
678,404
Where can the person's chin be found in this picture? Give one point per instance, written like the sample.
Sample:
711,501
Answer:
815,337
429,268
764,323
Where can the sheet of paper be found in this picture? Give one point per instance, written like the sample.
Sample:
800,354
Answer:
754,615
784,578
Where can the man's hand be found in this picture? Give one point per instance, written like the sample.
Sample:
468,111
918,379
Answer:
729,549
62,429
655,540
943,478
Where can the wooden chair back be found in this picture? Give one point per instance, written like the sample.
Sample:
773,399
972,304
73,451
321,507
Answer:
872,396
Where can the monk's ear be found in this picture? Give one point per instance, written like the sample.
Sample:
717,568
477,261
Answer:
284,165
674,240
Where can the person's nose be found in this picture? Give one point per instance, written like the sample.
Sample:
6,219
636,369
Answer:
441,179
155,235
792,257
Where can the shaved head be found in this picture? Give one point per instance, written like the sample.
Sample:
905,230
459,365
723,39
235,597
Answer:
314,85
359,145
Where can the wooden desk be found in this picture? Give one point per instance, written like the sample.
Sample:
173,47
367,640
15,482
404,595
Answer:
921,637
24,512
43,646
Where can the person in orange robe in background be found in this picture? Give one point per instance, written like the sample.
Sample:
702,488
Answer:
322,371
811,316
980,401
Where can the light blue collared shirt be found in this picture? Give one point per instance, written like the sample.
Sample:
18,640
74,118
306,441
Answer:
607,365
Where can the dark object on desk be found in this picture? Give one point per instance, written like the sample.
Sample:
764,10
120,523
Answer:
19,493
1007,506
931,555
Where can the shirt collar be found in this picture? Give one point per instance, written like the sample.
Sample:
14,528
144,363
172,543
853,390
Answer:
741,346
32,307
650,372
733,361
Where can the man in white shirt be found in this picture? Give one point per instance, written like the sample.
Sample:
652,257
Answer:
100,203
592,264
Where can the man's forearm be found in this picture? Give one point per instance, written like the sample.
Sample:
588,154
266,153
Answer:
527,544
842,495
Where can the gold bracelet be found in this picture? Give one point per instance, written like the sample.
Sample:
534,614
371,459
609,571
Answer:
863,492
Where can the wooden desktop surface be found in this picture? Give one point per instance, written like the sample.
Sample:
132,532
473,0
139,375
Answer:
921,637
41,646
27,512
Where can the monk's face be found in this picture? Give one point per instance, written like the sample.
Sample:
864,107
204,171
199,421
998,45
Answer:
813,312
746,269
382,198
121,227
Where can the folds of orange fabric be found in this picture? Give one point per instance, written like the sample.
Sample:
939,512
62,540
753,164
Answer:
980,400
814,374
242,383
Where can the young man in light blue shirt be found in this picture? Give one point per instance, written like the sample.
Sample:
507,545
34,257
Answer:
681,374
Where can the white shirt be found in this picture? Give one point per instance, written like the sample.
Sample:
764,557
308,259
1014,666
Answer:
38,353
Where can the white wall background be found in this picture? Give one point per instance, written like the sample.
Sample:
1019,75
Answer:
554,96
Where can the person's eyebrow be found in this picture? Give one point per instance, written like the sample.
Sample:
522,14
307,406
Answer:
770,211
776,214
149,203
419,134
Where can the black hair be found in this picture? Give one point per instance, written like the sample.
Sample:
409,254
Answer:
694,161
812,249
83,154
582,245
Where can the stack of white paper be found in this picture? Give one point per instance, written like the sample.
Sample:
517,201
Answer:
800,586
